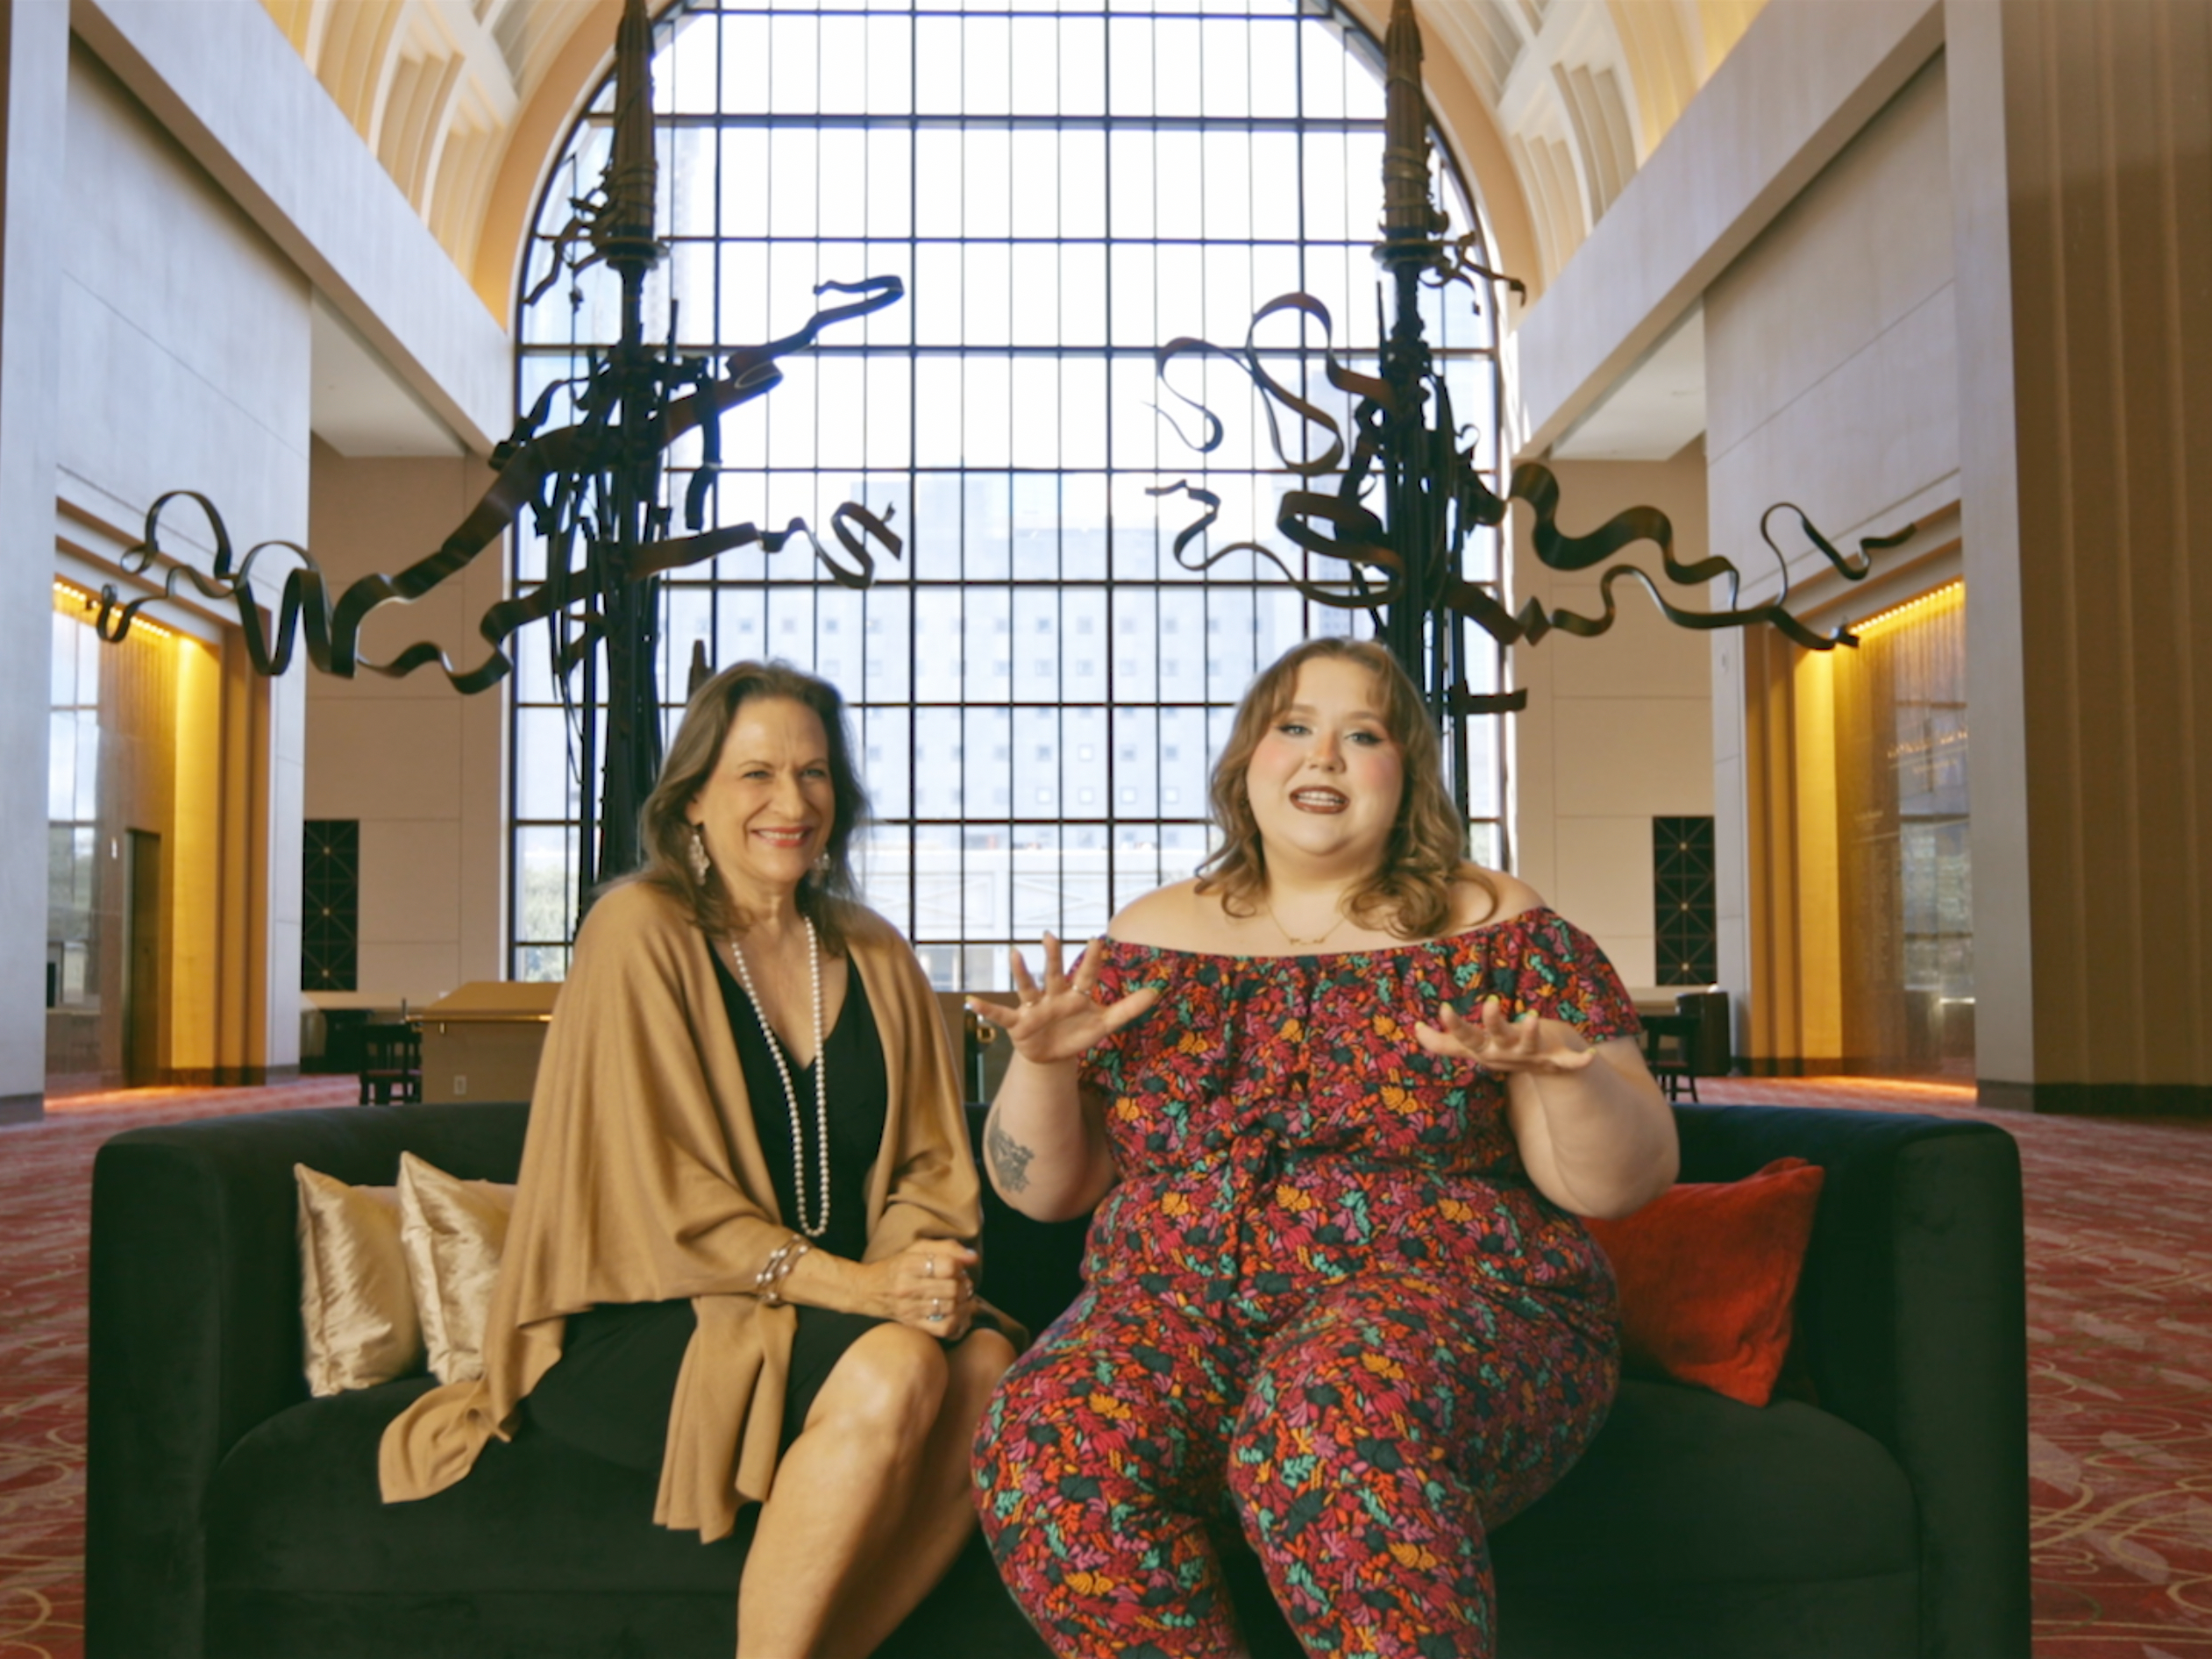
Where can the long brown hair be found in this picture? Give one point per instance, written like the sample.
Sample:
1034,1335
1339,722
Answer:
1411,892
827,892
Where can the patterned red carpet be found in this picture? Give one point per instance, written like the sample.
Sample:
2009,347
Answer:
2119,1300
46,1191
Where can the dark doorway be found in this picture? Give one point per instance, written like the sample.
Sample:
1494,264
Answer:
142,963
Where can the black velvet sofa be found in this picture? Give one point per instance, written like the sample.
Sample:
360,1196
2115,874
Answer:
232,1517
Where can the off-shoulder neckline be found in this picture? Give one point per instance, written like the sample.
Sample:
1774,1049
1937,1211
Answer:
1442,939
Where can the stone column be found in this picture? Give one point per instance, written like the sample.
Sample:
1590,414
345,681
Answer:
34,75
2081,173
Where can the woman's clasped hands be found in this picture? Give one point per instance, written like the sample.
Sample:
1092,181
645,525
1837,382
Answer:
1061,1018
1531,1045
928,1285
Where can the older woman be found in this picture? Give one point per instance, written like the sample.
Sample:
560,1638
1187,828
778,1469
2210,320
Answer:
739,1249
1344,1097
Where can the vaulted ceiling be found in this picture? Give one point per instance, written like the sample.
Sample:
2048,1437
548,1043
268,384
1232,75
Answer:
1582,91
1571,95
435,88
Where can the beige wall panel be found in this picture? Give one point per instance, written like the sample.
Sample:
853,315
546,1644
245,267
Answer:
422,767
410,881
153,239
1582,817
384,760
1731,872
1604,886
1867,245
1655,753
136,422
419,972
184,333
1732,878
287,801
1532,771
1862,451
1634,957
1641,654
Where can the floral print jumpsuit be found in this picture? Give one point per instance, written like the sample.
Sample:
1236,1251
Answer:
1324,1304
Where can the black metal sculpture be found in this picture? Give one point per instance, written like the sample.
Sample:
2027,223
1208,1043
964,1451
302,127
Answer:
1404,457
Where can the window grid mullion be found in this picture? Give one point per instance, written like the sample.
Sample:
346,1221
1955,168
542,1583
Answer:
982,708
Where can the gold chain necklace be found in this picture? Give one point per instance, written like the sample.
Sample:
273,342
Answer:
1319,938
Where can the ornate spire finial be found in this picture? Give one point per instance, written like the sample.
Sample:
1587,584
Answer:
624,233
1409,213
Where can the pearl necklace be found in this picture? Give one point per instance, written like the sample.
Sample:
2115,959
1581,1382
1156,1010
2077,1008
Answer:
821,1225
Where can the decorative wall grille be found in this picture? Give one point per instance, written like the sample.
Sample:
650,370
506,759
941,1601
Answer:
331,902
1687,922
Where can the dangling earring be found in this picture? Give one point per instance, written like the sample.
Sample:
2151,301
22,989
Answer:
700,867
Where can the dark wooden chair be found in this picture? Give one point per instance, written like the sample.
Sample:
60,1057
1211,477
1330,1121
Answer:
391,1064
1670,1051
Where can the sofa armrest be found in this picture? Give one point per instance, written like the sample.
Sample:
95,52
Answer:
1912,1320
196,1327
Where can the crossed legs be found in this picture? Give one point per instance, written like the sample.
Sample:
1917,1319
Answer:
870,1504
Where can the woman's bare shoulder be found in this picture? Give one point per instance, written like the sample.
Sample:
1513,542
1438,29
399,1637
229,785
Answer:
1481,896
1166,918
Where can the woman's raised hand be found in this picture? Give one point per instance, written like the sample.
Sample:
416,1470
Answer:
930,1284
1060,1019
1530,1044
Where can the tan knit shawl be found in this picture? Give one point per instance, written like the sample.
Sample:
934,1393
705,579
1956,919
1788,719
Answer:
642,1181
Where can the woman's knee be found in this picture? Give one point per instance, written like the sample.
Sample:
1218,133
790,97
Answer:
890,1383
979,1361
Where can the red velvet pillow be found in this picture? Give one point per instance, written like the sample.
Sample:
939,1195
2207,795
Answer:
1707,1277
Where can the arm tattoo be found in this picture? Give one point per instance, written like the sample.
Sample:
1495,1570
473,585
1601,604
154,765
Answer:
1009,1158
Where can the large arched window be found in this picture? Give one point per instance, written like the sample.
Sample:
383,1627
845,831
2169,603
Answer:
1040,688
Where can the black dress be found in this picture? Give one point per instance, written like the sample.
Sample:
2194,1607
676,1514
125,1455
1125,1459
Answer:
610,1392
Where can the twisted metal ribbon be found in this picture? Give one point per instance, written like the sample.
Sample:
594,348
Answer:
1337,525
525,462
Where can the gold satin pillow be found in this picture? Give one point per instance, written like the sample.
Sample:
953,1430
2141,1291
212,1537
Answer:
355,1305
453,1232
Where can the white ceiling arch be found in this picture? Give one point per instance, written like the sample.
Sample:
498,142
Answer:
435,88
1552,104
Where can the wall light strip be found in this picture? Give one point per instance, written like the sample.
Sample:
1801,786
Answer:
1951,593
69,594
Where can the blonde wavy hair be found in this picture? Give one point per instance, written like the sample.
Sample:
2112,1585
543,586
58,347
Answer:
829,892
1411,892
